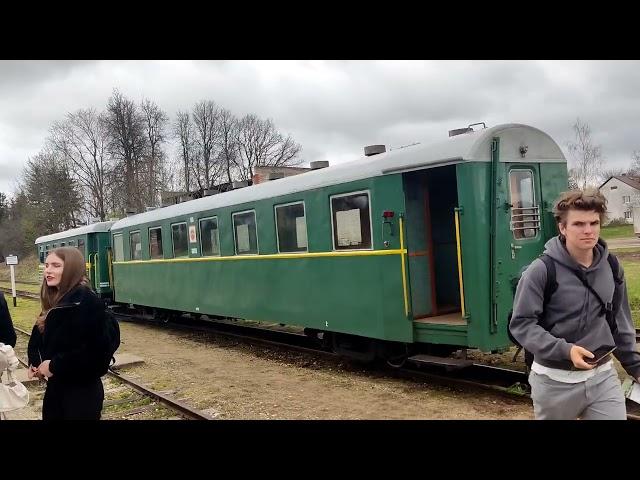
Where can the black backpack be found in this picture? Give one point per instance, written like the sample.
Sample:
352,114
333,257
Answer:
111,336
610,310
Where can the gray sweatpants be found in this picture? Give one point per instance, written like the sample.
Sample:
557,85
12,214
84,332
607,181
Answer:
599,398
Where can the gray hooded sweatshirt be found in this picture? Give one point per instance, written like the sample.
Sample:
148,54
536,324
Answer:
573,315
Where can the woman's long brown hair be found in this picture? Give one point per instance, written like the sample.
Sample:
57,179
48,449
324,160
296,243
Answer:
73,274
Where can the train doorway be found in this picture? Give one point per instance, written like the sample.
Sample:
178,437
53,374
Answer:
431,199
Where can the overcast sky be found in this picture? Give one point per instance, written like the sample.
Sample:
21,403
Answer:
335,108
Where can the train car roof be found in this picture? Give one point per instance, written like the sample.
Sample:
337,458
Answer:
469,147
93,228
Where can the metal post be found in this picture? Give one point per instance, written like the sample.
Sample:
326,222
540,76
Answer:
13,285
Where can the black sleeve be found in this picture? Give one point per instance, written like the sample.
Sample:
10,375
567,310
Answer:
7,332
85,359
33,349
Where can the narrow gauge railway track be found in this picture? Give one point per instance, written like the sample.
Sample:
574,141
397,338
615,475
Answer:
497,379
21,293
184,411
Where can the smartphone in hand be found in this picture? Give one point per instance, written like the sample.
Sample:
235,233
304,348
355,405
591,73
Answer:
598,357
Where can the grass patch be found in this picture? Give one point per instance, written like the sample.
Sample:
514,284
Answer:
24,315
26,287
632,275
624,250
625,231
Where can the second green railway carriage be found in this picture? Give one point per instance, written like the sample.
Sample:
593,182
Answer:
417,246
94,243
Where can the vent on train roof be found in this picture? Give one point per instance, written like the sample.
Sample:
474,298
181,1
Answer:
374,150
318,164
460,131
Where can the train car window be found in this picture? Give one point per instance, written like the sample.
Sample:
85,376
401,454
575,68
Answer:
291,227
155,243
180,240
62,244
244,233
118,248
351,221
41,254
209,237
135,245
81,245
525,214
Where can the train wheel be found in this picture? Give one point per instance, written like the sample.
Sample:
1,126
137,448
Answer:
162,316
397,355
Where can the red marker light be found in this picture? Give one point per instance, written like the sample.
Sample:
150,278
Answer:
387,214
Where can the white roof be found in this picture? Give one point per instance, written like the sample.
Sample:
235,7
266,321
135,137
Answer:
469,147
94,227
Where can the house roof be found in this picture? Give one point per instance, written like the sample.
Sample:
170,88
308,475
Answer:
624,179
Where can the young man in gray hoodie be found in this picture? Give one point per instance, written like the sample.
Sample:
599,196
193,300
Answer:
565,383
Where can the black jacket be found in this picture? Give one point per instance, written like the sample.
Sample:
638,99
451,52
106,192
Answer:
7,333
73,338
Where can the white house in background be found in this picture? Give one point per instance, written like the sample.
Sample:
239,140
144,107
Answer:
620,192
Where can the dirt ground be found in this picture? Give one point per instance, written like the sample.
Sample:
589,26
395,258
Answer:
236,380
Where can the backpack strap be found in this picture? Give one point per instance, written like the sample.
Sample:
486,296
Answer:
550,287
609,310
616,301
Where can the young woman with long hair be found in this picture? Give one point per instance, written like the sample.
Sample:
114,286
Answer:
66,347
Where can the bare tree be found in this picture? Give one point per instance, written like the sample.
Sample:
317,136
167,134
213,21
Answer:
227,140
587,156
155,121
572,183
607,173
128,141
82,139
4,206
206,119
260,144
183,130
634,170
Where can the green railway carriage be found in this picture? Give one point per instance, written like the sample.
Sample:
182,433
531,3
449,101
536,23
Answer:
418,248
94,242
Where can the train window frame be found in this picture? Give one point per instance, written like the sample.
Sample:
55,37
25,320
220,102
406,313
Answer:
535,204
333,227
115,251
306,228
151,257
200,220
80,247
233,225
131,249
173,244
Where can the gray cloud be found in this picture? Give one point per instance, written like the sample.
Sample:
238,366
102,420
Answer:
334,108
